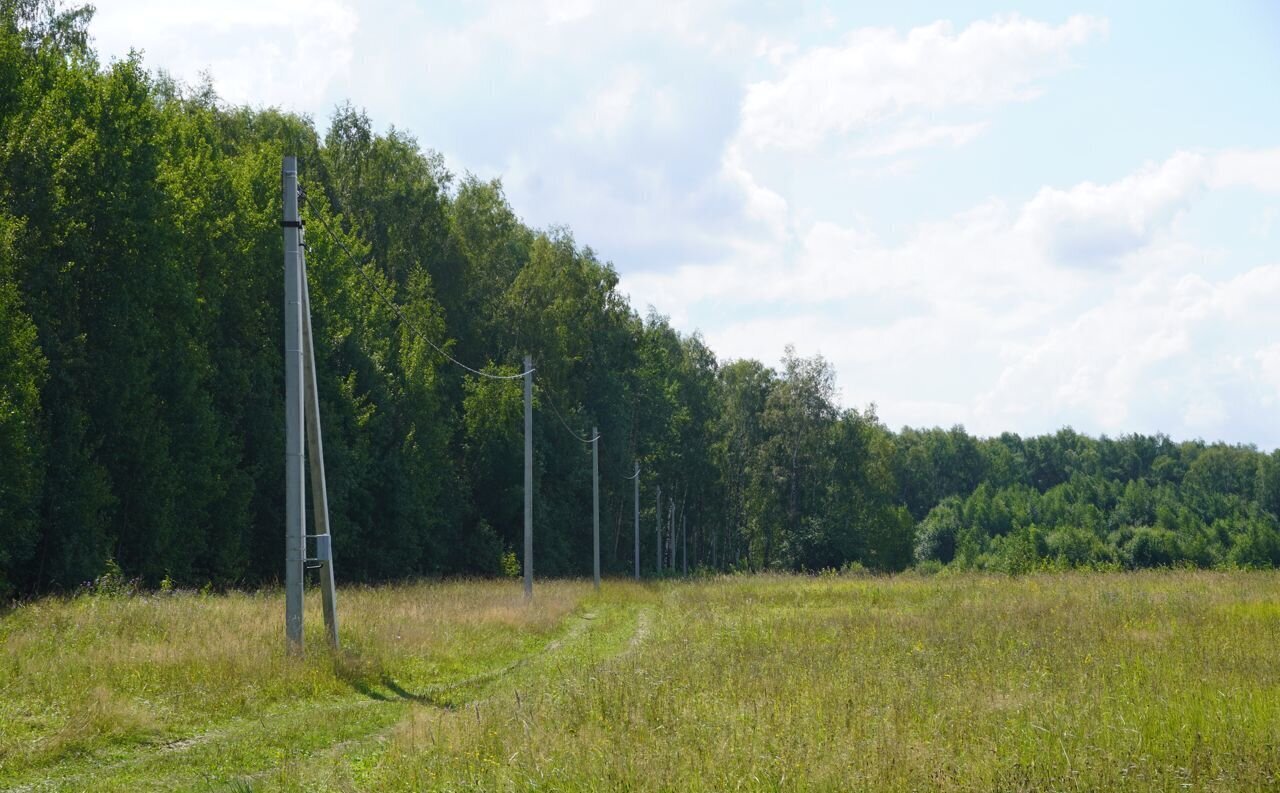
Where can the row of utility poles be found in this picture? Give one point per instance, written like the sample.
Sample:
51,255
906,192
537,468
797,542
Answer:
303,445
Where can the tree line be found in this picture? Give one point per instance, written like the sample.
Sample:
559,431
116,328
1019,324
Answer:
141,378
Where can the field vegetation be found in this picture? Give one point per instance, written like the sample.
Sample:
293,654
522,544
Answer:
1162,680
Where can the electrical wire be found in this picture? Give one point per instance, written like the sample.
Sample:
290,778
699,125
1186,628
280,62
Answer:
564,423
391,303
333,237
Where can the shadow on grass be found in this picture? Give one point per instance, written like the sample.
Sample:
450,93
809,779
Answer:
367,677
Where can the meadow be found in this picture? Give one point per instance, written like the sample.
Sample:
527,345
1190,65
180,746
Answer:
1161,680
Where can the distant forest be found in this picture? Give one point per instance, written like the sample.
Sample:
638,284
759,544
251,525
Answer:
141,378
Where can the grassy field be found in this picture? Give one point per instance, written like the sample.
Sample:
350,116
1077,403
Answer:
1152,681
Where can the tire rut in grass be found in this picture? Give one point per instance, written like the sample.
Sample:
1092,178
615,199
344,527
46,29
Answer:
249,734
631,625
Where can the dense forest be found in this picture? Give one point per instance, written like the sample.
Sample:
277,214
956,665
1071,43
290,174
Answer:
141,378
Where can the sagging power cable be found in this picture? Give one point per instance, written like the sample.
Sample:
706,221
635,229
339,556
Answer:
333,237
565,424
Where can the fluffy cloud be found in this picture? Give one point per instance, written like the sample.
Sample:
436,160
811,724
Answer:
284,53
1094,224
975,320
879,73
627,100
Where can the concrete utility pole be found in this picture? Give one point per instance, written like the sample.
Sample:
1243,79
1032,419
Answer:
302,433
294,512
315,455
658,515
595,500
528,477
671,532
636,556
684,542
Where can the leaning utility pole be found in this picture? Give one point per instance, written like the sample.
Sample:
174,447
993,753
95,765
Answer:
636,556
302,405
595,499
528,477
323,561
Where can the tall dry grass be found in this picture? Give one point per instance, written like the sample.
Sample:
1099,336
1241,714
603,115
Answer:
1153,681
96,672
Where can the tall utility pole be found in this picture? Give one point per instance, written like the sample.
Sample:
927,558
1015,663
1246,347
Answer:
636,556
658,515
595,500
528,476
294,513
302,433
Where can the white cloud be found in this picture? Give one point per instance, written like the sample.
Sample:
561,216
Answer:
878,74
912,137
284,53
609,110
1256,168
1268,367
1093,224
761,204
975,320
626,102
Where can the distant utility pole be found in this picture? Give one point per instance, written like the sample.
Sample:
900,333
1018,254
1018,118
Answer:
595,500
528,477
658,515
684,542
302,405
671,532
636,555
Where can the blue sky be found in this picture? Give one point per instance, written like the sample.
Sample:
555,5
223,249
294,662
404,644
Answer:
1008,217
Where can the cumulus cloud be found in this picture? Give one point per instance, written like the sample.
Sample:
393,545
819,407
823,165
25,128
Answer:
974,319
1256,168
629,99
1092,224
284,53
879,73
1096,224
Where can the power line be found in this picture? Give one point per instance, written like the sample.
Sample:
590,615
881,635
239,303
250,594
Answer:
564,423
333,237
392,304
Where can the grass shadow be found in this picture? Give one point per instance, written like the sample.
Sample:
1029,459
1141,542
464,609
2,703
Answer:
391,685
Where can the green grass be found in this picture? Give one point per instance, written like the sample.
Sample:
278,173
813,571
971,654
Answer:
1152,681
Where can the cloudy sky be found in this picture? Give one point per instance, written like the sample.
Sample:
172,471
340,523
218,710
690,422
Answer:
1003,217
